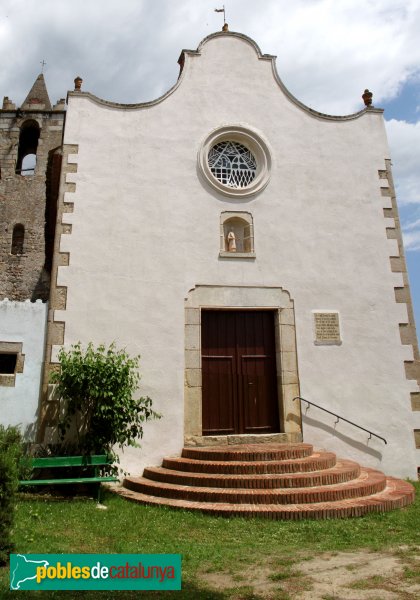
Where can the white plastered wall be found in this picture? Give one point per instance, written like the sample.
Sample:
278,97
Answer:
146,230
23,323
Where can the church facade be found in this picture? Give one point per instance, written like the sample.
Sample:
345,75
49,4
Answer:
249,249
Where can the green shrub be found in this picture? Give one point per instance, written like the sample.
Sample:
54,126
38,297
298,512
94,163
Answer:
98,385
11,452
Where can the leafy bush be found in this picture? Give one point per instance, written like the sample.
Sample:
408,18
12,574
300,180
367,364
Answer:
11,452
98,385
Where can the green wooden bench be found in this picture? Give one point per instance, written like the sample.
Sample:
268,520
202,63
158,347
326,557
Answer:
91,463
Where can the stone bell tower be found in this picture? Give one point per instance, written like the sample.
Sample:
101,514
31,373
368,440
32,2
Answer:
30,158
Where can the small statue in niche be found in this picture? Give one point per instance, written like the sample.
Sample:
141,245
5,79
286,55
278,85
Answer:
231,240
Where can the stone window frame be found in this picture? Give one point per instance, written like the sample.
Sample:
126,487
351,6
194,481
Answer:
7,380
248,219
251,140
205,297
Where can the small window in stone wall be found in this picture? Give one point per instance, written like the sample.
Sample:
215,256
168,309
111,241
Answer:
17,239
28,146
236,235
11,362
7,363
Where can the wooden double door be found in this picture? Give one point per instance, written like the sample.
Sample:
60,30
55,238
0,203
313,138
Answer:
239,372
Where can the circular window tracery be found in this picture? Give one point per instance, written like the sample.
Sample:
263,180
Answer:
232,164
236,161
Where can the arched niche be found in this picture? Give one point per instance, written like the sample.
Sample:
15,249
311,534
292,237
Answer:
236,235
28,146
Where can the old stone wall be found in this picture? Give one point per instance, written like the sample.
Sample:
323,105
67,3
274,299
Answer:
26,199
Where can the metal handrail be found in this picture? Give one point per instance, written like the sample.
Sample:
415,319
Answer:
340,418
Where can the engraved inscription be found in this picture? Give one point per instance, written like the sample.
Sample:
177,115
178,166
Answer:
327,328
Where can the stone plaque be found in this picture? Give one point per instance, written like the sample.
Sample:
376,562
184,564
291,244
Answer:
327,328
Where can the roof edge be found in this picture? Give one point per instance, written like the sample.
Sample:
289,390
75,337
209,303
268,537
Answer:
119,105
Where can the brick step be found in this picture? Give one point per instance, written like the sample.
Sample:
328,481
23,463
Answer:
315,462
368,482
396,494
277,481
344,470
248,452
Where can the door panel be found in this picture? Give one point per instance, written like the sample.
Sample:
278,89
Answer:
218,395
239,372
260,413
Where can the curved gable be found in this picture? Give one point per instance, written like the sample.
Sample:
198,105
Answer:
222,54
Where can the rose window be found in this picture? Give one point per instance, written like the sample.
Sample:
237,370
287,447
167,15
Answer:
232,164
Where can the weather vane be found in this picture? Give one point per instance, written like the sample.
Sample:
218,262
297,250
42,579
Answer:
43,63
224,13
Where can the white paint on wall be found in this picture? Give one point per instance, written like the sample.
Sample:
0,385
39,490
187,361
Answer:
146,231
23,322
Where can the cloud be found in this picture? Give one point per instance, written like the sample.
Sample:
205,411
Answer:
328,51
414,225
404,141
410,220
412,240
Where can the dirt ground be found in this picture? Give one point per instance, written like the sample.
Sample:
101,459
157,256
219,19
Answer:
360,575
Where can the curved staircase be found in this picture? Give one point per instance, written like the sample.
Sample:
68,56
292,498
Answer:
275,481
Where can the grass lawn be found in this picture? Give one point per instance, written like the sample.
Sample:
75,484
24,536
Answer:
240,550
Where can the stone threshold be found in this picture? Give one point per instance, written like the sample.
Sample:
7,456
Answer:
235,440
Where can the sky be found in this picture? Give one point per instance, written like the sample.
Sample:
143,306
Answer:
328,52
